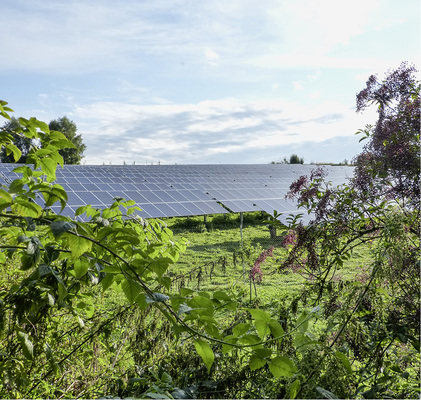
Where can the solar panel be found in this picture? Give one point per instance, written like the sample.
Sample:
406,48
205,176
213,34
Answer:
182,190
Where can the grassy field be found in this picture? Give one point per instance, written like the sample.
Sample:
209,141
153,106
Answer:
218,257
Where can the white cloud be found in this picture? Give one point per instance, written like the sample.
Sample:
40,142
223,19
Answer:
203,132
298,86
211,57
77,36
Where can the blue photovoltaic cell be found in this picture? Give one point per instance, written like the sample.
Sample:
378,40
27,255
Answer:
170,190
136,196
89,198
104,197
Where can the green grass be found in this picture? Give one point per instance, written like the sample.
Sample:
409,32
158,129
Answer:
217,256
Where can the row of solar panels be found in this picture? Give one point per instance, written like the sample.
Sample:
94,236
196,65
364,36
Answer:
184,190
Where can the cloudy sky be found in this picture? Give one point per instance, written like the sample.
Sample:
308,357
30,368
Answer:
194,82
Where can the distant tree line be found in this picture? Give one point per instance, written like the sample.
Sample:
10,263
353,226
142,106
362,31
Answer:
24,144
293,159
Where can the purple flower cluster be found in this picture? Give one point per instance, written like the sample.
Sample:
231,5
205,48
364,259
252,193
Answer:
256,273
289,239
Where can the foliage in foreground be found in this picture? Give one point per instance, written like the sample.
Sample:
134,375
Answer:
87,308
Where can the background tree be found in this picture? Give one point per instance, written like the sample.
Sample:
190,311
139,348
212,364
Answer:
23,143
390,161
68,128
294,159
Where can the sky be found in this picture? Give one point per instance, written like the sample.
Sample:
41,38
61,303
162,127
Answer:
204,82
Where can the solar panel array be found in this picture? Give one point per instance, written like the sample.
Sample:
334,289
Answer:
184,190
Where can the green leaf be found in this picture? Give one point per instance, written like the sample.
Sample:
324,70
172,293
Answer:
5,196
302,322
294,389
131,289
26,208
282,366
263,352
345,361
256,362
26,344
78,245
276,328
160,265
107,281
240,329
204,351
11,148
81,268
48,167
261,321
60,227
141,301
62,291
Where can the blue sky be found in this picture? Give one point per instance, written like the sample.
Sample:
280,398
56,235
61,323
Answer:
193,82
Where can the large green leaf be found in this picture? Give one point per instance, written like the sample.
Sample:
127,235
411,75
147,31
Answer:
282,366
240,329
204,351
276,328
60,227
81,267
256,362
48,167
261,321
26,208
131,289
78,245
11,148
160,265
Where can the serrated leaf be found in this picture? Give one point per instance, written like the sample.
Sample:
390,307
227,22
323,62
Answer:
78,245
48,167
276,328
160,266
81,268
131,289
60,227
240,329
261,321
107,281
256,362
11,148
205,352
282,366
26,208
263,352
